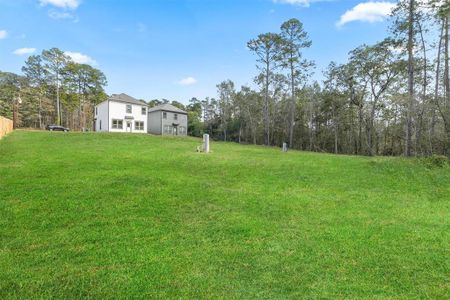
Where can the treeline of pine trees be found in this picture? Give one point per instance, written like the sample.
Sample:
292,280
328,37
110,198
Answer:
52,90
390,98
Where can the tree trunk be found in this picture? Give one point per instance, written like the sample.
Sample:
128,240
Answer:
311,129
240,133
15,114
266,104
436,87
225,131
335,129
369,139
360,121
58,113
446,109
40,110
293,107
371,126
408,139
419,127
446,63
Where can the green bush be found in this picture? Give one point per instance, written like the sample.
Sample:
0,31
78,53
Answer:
436,161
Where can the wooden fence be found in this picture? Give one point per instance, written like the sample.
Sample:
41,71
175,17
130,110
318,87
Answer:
6,126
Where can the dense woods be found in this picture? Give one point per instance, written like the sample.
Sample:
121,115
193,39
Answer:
390,98
52,90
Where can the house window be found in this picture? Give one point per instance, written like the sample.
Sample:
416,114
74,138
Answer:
175,116
117,124
164,115
139,125
168,129
129,111
182,130
96,111
144,110
100,124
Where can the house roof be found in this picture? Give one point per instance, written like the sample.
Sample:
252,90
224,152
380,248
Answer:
166,107
126,99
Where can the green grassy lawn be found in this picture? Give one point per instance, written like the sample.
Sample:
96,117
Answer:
137,216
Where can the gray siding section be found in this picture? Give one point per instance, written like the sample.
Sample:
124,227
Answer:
154,122
167,124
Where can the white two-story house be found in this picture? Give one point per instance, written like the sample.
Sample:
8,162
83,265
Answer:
121,113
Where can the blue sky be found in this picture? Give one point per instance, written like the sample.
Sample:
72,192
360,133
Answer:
179,49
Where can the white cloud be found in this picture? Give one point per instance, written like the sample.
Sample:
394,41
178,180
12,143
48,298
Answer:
305,3
60,15
62,9
80,58
24,51
3,34
66,4
187,81
367,12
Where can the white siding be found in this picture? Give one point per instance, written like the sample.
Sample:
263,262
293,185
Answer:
118,111
101,116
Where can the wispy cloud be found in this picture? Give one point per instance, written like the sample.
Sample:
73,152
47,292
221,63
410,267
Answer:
81,58
66,4
62,9
24,51
367,12
58,15
304,3
3,34
187,81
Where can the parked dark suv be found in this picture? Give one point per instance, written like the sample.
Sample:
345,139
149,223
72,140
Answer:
56,128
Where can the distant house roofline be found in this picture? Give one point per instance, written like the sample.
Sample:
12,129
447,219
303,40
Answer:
124,98
168,108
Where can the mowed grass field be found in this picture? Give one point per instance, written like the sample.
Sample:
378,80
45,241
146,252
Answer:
138,216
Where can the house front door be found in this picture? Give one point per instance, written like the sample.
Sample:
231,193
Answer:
175,130
129,126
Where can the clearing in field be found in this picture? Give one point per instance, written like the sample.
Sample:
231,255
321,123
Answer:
114,216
